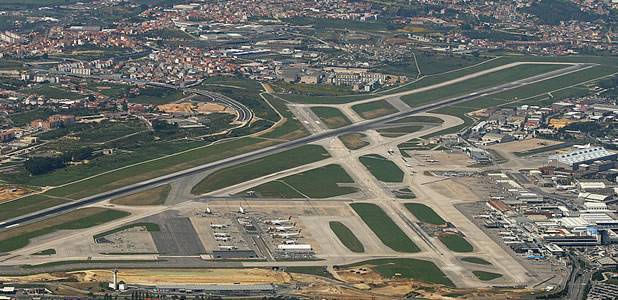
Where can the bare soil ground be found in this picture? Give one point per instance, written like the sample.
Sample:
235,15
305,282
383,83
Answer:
525,145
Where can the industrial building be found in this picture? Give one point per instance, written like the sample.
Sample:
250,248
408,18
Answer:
575,159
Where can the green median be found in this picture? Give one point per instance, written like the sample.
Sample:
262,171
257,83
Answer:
260,167
383,226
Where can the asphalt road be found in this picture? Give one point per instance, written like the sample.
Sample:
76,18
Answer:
244,113
360,126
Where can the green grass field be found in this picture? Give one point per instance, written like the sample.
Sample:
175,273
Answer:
155,196
354,141
382,168
475,260
410,268
393,132
260,167
317,183
424,213
473,84
46,252
346,236
53,91
291,127
372,110
486,276
122,177
22,206
417,119
456,243
404,193
19,237
310,270
383,226
156,96
331,117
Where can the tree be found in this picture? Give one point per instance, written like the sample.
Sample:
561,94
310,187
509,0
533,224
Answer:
43,165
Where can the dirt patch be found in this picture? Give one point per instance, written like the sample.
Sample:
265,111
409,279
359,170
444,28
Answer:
193,108
525,145
156,196
8,193
186,276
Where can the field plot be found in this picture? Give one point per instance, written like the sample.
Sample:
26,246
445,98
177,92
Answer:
309,270
382,168
347,237
156,95
155,196
318,183
417,119
486,276
289,128
332,117
456,243
19,237
384,227
425,214
393,132
473,84
372,110
354,141
475,260
151,169
260,167
26,205
416,269
53,91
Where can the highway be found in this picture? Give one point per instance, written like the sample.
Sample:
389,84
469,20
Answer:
244,113
360,126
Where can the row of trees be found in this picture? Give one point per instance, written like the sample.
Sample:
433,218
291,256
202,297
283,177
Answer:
43,165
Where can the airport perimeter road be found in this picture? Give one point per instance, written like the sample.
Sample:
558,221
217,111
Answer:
239,159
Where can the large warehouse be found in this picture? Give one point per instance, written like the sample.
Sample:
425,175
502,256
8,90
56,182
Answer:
574,159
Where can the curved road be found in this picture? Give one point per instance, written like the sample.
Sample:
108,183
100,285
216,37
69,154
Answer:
360,126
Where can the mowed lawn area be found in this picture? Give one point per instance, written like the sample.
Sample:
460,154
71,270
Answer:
475,260
375,109
346,236
354,141
456,243
383,226
331,117
382,168
393,132
319,183
473,84
260,167
130,175
19,237
410,268
486,276
424,213
289,127
26,205
155,196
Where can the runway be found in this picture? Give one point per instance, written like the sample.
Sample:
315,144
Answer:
360,126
